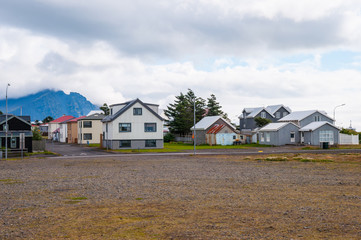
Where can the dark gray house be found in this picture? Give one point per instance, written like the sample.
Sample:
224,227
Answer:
17,125
280,133
272,112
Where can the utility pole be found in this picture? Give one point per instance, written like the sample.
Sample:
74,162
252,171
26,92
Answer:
6,124
194,128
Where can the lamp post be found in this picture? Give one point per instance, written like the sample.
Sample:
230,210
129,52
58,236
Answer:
6,123
334,111
194,129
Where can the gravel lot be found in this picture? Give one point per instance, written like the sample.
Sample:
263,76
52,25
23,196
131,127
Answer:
182,197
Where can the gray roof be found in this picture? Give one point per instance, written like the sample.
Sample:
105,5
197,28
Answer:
206,122
314,125
276,126
128,105
95,116
300,115
252,112
25,119
274,108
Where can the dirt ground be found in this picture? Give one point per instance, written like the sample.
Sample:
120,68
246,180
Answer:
289,196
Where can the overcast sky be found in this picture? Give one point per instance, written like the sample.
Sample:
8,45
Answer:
303,54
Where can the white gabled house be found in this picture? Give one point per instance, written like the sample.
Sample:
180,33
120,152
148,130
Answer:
133,125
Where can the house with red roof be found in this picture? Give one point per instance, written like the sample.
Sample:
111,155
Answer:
54,127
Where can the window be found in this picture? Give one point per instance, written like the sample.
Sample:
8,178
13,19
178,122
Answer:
278,115
326,136
111,111
87,124
263,115
285,114
137,111
244,115
234,136
79,124
150,127
262,137
125,144
125,127
317,118
87,136
268,137
150,143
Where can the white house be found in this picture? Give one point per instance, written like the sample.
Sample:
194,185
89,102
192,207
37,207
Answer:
133,125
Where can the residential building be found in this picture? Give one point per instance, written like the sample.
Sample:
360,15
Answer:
72,129
90,128
272,112
16,126
133,125
54,127
280,133
205,124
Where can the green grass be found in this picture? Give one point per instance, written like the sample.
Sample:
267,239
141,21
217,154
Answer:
10,181
182,147
40,153
93,145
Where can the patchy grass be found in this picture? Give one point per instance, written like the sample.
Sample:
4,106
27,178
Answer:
74,200
10,181
96,145
40,153
182,147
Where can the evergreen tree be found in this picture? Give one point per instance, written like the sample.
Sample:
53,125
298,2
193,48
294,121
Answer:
105,109
214,108
180,113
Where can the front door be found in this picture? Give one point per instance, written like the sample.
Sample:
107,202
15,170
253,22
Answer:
13,142
293,137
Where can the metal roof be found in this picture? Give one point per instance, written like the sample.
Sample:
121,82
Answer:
206,122
95,116
25,119
276,126
300,115
62,119
216,128
315,125
274,108
128,105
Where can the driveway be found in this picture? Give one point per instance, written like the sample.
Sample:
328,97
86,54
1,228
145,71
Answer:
66,149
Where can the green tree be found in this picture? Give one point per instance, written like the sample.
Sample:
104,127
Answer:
36,134
260,122
48,119
180,113
1,112
214,108
105,109
348,131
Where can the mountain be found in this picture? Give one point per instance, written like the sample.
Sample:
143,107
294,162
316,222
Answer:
49,103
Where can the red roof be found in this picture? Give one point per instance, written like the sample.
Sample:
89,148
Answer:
62,119
76,119
216,128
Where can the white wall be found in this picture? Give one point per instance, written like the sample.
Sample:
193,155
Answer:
345,139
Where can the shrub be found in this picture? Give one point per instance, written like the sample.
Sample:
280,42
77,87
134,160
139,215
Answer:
169,137
36,134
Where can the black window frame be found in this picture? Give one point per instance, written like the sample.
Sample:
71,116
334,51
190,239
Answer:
127,130
128,145
148,141
137,111
91,136
85,124
145,127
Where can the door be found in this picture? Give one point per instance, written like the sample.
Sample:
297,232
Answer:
293,137
13,142
302,137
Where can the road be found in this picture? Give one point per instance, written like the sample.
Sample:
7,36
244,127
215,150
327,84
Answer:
76,150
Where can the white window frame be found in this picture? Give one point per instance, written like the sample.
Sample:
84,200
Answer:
278,115
261,136
268,137
326,136
263,115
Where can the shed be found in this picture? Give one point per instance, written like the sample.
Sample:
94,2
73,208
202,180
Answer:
220,134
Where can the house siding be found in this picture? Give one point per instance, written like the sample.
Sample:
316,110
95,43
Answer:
313,137
311,119
250,123
282,136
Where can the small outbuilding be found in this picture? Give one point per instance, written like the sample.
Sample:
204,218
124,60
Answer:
317,133
280,133
220,134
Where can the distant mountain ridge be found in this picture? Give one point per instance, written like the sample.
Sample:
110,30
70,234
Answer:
49,103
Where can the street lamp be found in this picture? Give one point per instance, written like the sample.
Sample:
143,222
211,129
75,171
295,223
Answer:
334,111
6,123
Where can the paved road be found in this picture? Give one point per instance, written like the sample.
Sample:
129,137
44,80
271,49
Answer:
67,150
74,149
